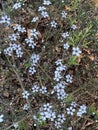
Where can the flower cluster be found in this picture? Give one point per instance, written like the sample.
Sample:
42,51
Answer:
34,60
59,121
30,42
15,125
25,94
60,90
82,110
35,19
17,5
76,51
26,106
70,128
34,33
46,112
46,2
65,35
36,89
64,14
66,46
19,28
68,78
14,37
5,19
43,90
1,118
74,27
59,69
53,24
44,14
14,48
41,8
71,110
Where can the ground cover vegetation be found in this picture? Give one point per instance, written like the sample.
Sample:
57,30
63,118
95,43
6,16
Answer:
48,65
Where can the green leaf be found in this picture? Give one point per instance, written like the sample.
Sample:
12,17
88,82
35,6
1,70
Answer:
91,109
27,65
97,124
22,125
69,99
96,115
9,10
85,44
73,60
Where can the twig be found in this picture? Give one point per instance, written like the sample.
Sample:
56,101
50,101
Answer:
44,72
86,125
